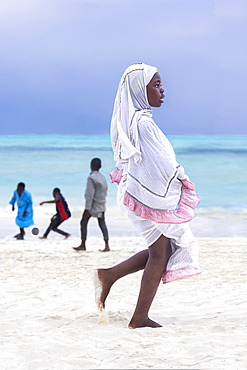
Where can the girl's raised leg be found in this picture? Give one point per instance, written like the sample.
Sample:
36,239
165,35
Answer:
105,278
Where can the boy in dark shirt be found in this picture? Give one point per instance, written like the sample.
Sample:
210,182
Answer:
63,213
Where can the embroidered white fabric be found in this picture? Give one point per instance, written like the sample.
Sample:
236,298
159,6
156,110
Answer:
184,246
154,191
155,188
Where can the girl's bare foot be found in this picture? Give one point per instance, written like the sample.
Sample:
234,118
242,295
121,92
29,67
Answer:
102,286
134,324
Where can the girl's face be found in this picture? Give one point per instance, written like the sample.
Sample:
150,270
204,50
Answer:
155,92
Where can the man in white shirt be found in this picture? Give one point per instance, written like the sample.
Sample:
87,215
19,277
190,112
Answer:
95,197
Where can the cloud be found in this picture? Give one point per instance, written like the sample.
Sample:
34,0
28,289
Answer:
230,9
16,10
62,60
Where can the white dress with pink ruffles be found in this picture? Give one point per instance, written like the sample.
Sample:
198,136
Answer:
159,199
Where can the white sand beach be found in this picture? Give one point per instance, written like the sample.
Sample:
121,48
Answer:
49,317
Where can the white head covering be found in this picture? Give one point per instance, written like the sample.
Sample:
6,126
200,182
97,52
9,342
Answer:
154,185
130,105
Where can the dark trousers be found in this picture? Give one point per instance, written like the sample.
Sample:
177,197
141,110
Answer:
56,221
101,222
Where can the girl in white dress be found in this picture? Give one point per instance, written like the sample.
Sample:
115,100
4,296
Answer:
153,192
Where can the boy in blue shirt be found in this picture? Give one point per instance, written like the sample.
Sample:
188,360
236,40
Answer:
24,217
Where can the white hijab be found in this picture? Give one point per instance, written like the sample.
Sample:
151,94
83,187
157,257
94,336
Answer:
130,105
155,185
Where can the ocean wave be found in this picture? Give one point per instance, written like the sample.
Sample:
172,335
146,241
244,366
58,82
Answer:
179,151
183,144
211,151
21,148
221,212
209,222
111,209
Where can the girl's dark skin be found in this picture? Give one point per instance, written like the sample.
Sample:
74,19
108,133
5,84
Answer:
153,260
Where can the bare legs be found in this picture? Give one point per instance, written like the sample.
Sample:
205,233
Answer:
159,254
109,276
153,261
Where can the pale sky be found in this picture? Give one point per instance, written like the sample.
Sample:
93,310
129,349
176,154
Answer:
61,62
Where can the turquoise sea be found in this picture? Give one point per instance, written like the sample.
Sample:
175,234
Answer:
217,164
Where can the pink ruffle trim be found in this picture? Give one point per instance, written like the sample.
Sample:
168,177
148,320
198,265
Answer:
184,213
116,175
183,273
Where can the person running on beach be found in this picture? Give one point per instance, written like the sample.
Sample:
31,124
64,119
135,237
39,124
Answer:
24,203
153,192
63,213
95,196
